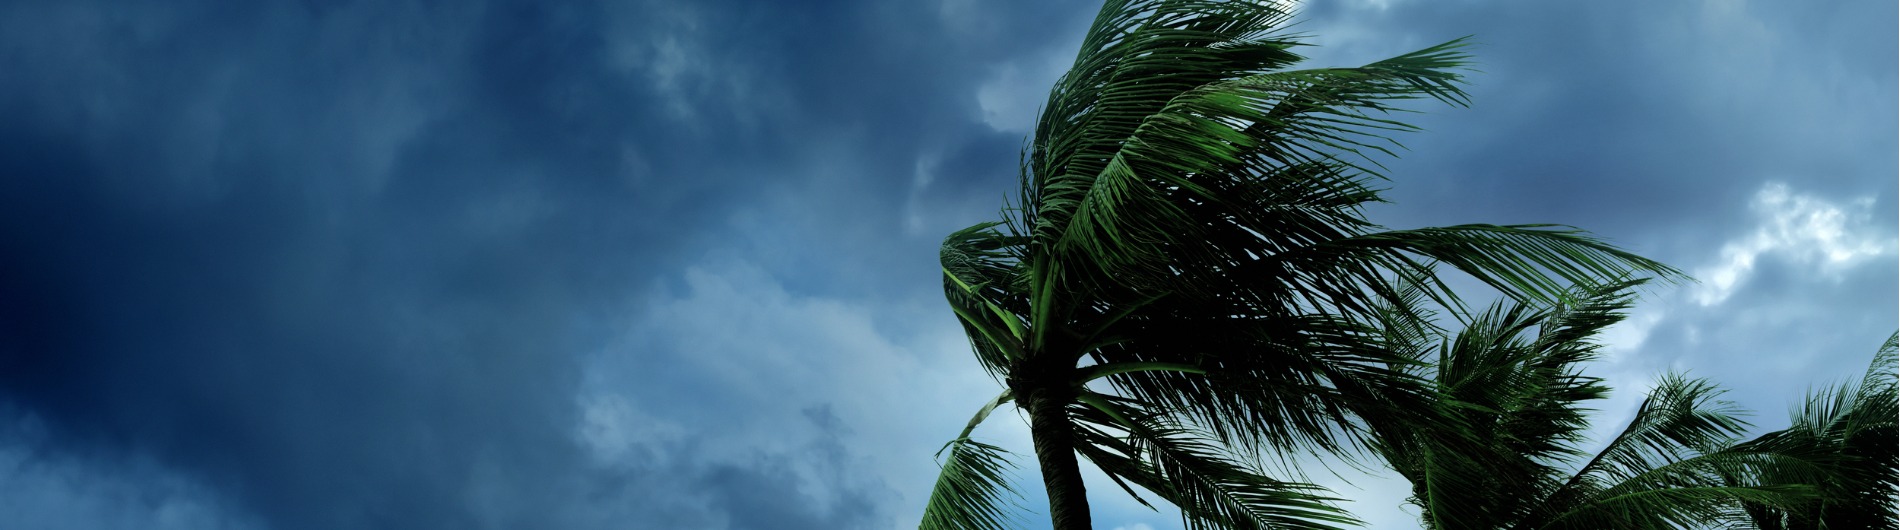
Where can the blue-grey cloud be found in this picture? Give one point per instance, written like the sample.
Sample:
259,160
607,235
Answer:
339,261
417,265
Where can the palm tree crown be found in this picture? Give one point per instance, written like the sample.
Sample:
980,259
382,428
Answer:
1855,425
1509,456
1188,280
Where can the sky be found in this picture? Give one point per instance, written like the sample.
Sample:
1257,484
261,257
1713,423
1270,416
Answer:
672,264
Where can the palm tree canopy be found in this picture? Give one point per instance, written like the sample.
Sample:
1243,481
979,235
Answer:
1856,424
1188,278
1512,456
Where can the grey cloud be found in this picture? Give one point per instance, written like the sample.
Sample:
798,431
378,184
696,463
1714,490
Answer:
349,264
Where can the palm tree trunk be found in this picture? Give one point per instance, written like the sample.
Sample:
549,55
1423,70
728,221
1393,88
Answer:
1055,451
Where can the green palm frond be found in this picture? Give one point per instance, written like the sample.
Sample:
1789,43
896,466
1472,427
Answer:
1191,233
1506,408
972,491
1853,425
1212,489
1510,387
1263,384
983,288
1675,507
1679,418
1523,261
1678,465
1213,144
1156,182
1719,485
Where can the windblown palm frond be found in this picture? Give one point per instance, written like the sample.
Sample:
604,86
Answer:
1190,237
1853,424
972,491
982,286
1509,382
1212,488
1676,466
1508,388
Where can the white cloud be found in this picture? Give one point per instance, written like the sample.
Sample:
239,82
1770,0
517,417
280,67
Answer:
1825,239
1804,228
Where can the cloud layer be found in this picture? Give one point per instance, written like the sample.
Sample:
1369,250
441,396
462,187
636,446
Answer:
672,264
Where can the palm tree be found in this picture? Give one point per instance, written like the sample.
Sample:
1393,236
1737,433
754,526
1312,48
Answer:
1855,424
1510,458
1188,282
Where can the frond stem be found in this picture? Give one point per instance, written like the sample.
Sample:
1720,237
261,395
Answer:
1099,371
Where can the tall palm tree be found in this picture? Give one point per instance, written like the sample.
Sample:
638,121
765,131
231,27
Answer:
1188,282
1855,423
1510,456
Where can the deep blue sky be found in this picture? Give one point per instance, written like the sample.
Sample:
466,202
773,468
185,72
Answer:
652,264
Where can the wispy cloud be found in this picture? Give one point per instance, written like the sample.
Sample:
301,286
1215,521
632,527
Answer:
1809,230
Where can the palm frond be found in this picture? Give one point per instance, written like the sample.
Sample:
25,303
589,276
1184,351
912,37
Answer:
1853,425
972,491
985,292
1523,261
1680,416
1264,384
1191,221
1509,395
1674,507
1507,409
1213,490
1173,102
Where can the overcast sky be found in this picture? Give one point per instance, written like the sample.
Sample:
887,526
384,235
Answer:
656,264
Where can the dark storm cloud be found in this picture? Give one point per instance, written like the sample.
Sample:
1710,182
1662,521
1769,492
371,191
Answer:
1628,111
336,261
342,264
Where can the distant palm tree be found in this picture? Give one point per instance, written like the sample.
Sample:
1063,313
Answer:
1189,283
1510,456
1854,423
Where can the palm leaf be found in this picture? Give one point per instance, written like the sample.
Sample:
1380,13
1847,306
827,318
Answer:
1507,400
1677,465
1853,425
1191,231
1262,384
1212,490
985,292
972,491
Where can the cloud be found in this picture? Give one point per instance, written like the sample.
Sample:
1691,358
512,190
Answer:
51,490
505,264
755,369
1011,98
1799,227
1804,262
334,266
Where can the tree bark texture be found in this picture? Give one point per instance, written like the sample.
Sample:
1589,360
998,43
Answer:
1055,451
